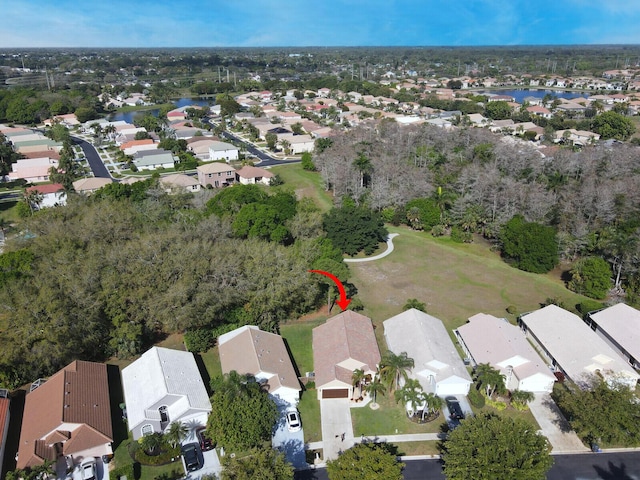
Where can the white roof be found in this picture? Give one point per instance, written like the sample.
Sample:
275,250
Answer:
160,372
622,323
425,339
221,146
577,349
495,341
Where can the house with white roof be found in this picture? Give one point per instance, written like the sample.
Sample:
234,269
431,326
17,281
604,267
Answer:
223,151
570,346
619,326
161,387
249,350
437,365
492,340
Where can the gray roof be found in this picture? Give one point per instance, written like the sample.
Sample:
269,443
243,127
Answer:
622,323
426,340
577,349
154,159
222,146
158,373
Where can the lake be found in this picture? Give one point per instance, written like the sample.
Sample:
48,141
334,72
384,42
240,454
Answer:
521,93
181,102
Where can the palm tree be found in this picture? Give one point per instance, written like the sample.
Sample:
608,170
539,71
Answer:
150,442
356,380
432,403
177,432
411,394
521,397
414,303
490,378
375,387
393,367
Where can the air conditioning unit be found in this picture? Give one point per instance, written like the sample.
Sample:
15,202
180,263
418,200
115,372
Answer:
310,374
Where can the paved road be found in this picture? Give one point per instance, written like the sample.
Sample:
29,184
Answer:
380,255
265,160
592,466
95,162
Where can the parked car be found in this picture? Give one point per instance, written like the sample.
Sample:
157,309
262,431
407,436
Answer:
206,443
454,408
192,456
88,469
293,420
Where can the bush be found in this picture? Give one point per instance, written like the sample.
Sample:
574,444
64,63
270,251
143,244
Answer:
512,309
438,230
124,471
587,306
591,276
498,405
460,236
476,398
199,340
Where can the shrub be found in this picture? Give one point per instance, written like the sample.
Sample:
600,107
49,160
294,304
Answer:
512,309
124,471
199,340
497,404
438,230
460,236
587,306
476,398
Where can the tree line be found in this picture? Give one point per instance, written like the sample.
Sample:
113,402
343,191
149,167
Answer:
113,273
469,181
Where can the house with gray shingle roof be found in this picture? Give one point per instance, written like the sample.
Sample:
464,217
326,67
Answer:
161,387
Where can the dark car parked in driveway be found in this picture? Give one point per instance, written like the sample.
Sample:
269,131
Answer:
454,408
192,456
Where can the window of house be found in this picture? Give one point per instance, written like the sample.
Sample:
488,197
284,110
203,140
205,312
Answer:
146,430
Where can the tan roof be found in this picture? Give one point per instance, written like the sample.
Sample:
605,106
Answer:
77,394
344,341
262,354
43,154
252,172
621,323
90,184
179,180
215,167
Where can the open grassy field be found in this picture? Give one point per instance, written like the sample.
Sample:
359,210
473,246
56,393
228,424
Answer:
305,184
455,281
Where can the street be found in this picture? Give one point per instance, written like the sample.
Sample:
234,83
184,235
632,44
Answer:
95,162
591,466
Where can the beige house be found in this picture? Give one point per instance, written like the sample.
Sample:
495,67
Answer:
249,350
91,184
248,175
216,174
341,345
492,340
180,183
68,416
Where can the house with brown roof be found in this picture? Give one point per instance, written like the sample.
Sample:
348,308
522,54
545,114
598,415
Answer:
90,184
249,175
67,417
341,345
4,425
216,174
264,355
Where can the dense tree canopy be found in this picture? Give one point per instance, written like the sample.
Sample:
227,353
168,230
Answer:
259,464
242,413
492,447
591,276
613,125
353,229
107,275
532,247
601,413
366,461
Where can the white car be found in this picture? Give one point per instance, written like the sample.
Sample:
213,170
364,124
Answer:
88,469
293,420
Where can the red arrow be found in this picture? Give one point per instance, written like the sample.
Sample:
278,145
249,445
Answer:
344,301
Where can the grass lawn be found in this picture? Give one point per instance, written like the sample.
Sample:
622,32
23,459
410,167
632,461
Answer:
309,408
121,458
389,419
298,338
509,412
417,448
305,184
455,281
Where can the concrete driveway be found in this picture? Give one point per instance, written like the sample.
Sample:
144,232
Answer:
337,429
554,426
290,443
464,406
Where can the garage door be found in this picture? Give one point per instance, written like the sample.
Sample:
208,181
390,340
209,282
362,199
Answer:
335,393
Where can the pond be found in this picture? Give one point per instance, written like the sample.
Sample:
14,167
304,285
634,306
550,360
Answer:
520,94
181,102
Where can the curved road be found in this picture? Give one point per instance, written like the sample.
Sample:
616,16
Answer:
91,154
379,256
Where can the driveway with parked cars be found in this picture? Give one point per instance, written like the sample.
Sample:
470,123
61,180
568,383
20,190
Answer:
288,436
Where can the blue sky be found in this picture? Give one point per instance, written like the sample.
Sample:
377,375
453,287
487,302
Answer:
263,23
